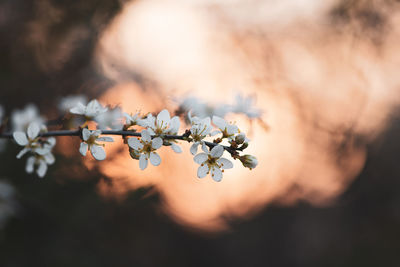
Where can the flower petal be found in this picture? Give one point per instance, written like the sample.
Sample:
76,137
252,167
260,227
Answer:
176,148
163,118
193,148
204,147
146,137
83,148
216,174
156,143
217,151
202,171
42,169
134,143
78,109
49,158
85,134
200,158
98,152
174,125
33,130
155,159
20,138
42,150
105,139
225,163
219,122
23,152
143,162
29,164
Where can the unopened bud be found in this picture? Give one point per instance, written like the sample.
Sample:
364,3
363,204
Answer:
240,138
249,161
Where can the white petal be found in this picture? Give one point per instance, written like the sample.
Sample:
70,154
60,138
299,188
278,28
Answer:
200,158
216,174
232,129
176,148
220,122
29,164
105,139
193,148
83,148
156,143
51,141
79,109
217,151
155,159
96,133
204,147
33,130
202,171
163,118
98,152
42,169
146,136
49,158
134,143
143,161
23,152
215,132
225,163
20,138
174,125
85,134
42,150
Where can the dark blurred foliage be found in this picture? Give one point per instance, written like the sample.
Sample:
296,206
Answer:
65,222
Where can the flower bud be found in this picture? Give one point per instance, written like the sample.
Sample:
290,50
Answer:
240,138
249,161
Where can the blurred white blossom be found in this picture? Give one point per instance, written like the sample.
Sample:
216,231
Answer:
69,102
246,106
90,142
111,119
8,203
90,111
213,162
20,119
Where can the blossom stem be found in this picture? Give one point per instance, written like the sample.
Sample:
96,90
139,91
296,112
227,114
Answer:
121,133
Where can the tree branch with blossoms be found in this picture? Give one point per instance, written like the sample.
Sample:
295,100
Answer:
143,134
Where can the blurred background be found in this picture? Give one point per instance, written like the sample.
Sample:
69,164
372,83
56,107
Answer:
324,74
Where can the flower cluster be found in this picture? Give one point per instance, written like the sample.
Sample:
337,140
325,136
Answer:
144,135
38,147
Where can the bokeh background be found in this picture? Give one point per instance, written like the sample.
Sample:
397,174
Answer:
325,74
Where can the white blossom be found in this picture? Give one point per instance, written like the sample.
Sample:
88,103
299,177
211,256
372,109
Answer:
90,111
28,140
69,102
162,124
202,109
173,130
90,142
40,162
227,130
246,106
249,161
20,119
112,119
199,130
213,162
145,148
131,120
